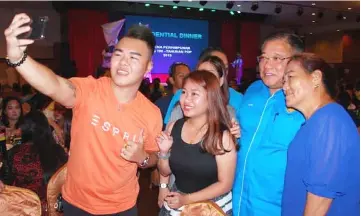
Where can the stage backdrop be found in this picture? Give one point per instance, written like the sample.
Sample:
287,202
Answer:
178,40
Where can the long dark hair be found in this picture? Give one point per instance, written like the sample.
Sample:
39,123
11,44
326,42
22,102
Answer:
37,131
311,62
68,115
221,70
217,114
4,117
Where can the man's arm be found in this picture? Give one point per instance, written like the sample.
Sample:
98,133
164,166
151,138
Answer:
316,205
36,74
47,82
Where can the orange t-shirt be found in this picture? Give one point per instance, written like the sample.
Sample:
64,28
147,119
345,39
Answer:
99,180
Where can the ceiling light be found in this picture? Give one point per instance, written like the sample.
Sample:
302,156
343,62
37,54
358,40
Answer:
278,9
213,10
161,6
300,11
239,12
254,6
175,7
344,17
147,5
338,30
313,14
229,5
188,8
201,9
203,3
313,4
231,12
349,8
310,33
313,21
238,5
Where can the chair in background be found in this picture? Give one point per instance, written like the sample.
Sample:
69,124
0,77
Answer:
19,201
54,189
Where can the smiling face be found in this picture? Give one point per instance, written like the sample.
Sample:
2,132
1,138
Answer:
180,72
298,85
193,100
275,56
130,61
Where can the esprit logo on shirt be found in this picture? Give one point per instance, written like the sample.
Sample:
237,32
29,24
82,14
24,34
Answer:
109,128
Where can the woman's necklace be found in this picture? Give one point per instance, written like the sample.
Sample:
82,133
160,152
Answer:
191,141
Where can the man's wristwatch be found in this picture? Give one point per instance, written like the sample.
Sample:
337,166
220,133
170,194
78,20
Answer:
145,162
163,185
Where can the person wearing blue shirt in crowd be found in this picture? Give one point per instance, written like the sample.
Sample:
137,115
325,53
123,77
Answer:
235,98
267,129
177,72
323,165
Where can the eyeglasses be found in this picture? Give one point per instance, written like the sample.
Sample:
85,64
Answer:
274,59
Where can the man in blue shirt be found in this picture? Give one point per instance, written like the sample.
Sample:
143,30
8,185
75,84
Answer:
267,128
177,72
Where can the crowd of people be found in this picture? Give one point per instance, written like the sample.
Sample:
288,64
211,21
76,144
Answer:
288,146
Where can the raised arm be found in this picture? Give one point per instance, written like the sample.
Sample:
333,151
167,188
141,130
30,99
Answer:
165,142
39,76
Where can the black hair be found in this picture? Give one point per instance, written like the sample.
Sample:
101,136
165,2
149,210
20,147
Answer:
26,89
173,68
208,51
4,118
293,40
68,116
142,33
37,131
311,62
16,87
221,70
40,101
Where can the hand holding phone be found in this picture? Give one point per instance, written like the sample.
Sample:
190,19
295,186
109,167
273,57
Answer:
37,29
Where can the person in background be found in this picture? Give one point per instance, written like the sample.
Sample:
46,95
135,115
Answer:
144,87
114,126
268,128
32,163
17,89
345,100
323,163
11,118
27,93
177,72
233,84
156,90
204,138
356,93
61,125
235,98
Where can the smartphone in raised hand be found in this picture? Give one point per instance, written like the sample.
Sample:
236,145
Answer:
37,31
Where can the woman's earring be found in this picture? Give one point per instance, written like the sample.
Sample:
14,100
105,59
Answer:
317,85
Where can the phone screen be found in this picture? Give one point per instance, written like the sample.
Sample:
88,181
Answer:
37,31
